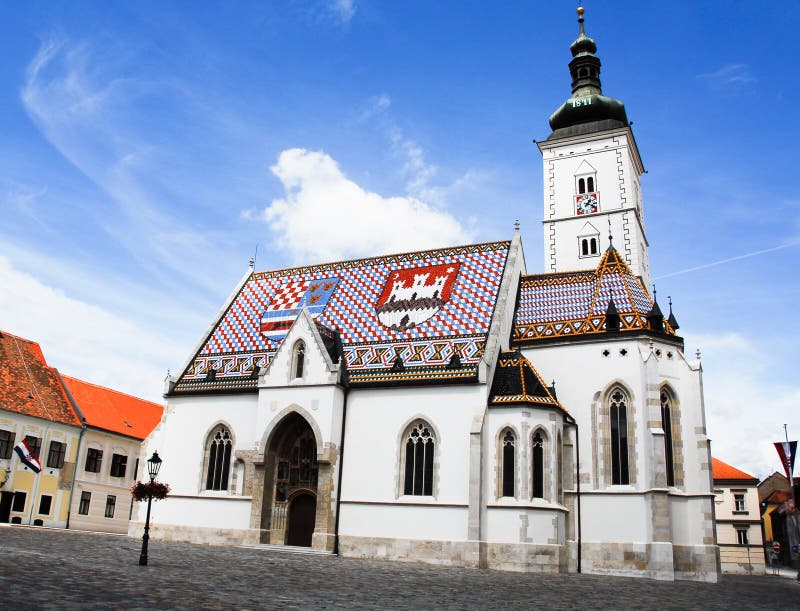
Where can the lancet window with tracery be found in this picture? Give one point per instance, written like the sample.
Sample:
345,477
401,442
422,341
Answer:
419,460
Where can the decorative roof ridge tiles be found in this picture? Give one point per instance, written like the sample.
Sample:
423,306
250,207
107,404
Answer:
404,256
511,368
617,266
220,316
573,304
557,275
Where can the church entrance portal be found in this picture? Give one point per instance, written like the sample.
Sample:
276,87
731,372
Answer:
290,487
302,510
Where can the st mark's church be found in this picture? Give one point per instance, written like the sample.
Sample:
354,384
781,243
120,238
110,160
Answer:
452,406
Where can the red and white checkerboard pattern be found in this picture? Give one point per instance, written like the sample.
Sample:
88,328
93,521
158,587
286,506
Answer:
351,308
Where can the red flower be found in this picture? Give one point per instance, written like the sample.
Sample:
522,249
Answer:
154,490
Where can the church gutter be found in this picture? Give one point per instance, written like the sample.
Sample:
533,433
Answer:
84,426
570,420
341,470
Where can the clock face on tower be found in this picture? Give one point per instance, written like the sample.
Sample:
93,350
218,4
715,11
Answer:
586,203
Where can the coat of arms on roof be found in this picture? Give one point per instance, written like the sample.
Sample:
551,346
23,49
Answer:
289,299
412,296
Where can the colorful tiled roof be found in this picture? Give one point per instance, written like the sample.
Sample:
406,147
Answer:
517,381
568,304
28,385
723,470
114,411
423,307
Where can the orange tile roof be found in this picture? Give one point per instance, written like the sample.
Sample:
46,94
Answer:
28,385
723,470
114,411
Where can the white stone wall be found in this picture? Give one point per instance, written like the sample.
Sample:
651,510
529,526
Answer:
373,469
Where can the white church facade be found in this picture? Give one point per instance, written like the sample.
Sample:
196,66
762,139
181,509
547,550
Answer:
450,407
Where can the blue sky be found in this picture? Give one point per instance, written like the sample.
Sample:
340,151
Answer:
148,147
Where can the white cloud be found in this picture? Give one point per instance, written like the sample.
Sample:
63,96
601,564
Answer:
746,406
343,10
84,340
376,105
327,216
418,171
730,75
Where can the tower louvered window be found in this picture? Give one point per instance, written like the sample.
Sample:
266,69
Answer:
219,460
419,455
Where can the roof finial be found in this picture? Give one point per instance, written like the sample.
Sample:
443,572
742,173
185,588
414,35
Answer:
580,12
610,236
654,292
516,226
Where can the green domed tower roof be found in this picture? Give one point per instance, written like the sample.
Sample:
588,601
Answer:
588,110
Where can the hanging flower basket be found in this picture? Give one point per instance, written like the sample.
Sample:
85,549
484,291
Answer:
154,490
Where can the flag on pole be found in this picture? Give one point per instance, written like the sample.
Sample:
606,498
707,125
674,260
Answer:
787,451
26,455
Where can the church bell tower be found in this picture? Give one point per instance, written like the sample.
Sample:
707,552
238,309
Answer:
591,175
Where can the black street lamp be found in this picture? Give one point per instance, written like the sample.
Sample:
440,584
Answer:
153,465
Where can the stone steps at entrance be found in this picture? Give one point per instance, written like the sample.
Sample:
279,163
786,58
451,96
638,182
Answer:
289,549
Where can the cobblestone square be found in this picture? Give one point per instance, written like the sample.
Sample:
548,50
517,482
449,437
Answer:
47,568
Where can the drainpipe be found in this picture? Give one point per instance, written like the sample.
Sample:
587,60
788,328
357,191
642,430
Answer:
341,469
573,422
82,418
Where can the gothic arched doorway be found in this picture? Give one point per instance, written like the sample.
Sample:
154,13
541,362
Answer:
290,486
302,511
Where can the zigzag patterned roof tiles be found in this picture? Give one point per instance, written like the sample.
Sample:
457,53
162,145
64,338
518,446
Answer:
423,307
569,304
517,381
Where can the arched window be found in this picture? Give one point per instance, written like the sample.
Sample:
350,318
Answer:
584,246
419,455
590,184
593,246
538,465
219,459
509,442
666,423
618,413
581,185
298,358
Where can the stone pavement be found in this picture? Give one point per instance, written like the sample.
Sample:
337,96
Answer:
65,569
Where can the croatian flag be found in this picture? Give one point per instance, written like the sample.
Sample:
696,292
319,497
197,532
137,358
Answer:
289,299
27,456
787,451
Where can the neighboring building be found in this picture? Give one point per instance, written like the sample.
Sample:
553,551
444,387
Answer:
775,494
401,406
108,462
34,406
86,437
738,516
